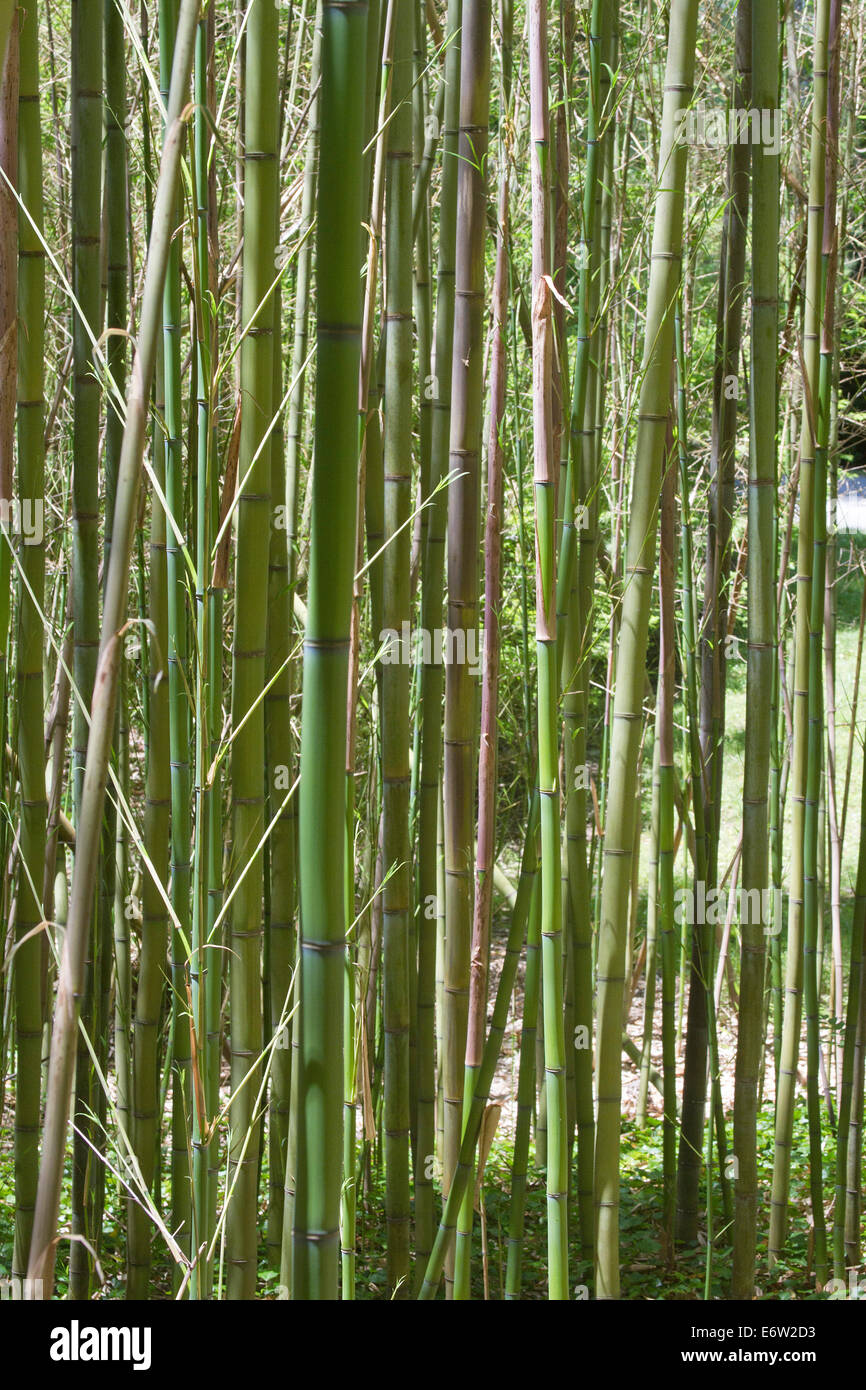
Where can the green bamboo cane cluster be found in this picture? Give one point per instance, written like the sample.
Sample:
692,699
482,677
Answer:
206,850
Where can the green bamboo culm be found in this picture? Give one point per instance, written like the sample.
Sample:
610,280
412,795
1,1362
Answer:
282,811
467,411
724,419
813,828
584,467
279,735
525,1102
285,1070
175,493
631,657
667,933
467,390
150,991
526,1070
87,116
652,929
395,673
205,963
422,295
700,1029
847,1192
117,312
316,1238
800,700
429,780
665,700
9,71
255,516
546,654
31,590
762,646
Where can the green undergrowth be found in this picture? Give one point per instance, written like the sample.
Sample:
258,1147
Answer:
647,1272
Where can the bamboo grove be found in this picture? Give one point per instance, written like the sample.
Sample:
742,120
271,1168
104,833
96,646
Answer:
432,608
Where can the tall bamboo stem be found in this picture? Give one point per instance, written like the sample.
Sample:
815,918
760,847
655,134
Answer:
628,695
762,645
546,649
326,653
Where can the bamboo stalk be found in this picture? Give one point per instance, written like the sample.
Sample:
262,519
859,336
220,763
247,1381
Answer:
546,649
483,904
429,778
761,655
620,812
396,670
86,144
255,513
205,962
326,652
813,915
800,753
525,1085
